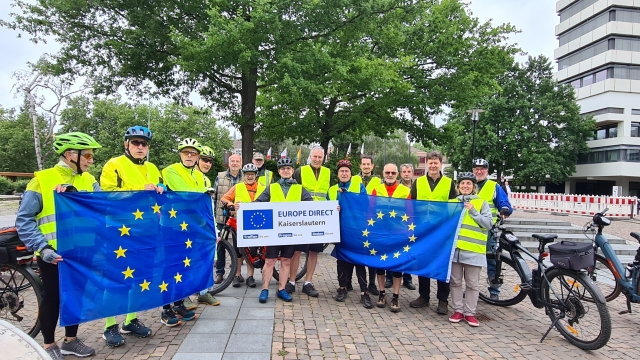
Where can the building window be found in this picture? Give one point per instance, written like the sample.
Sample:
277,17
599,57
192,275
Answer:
584,54
635,129
576,84
575,9
633,155
585,28
602,156
615,72
606,132
612,156
609,110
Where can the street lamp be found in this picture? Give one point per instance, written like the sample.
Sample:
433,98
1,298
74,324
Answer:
475,117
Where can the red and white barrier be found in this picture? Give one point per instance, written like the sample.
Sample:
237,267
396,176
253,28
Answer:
619,206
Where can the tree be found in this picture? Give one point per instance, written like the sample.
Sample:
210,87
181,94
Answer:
16,141
533,125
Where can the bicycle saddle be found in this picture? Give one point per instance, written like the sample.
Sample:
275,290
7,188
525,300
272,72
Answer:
636,235
546,238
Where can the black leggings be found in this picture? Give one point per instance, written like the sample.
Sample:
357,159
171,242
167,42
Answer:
50,307
396,274
345,272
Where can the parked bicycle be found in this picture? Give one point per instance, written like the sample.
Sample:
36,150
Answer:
251,255
20,286
560,289
607,271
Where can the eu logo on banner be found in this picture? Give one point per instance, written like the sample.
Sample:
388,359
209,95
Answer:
258,219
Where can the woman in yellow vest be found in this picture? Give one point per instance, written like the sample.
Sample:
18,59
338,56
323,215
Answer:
470,254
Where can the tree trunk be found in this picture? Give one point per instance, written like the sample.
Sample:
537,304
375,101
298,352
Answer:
248,96
34,120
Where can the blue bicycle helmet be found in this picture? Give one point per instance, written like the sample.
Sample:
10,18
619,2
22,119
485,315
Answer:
138,132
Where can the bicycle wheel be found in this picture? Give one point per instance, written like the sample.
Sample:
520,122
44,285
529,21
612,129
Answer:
302,267
602,276
20,297
584,324
228,260
510,291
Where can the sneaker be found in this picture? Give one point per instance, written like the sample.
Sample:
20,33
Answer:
388,284
342,295
310,290
208,299
169,318
188,304
442,307
251,282
218,279
112,336
136,328
290,288
349,287
264,295
419,302
373,290
54,352
494,297
395,307
382,301
456,317
78,348
365,300
471,320
237,281
409,285
284,295
183,313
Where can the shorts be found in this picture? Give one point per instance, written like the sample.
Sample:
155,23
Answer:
283,251
310,247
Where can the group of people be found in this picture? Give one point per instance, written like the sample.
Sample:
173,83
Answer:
482,198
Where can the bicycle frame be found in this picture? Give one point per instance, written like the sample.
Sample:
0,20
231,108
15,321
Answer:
629,286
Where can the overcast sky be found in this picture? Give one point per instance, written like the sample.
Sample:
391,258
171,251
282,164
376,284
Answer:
535,18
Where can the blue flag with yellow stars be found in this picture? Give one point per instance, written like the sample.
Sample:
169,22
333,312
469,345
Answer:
130,251
409,236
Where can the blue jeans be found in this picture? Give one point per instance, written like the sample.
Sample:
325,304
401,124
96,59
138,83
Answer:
492,245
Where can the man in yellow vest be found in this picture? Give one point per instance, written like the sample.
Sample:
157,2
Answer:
204,164
130,172
315,178
265,177
370,181
243,192
433,186
390,188
284,190
36,225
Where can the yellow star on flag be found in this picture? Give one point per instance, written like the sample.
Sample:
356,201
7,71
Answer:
124,230
120,252
393,213
178,278
173,213
412,226
396,255
163,286
380,215
406,248
156,208
365,232
138,214
373,251
366,244
184,226
187,262
405,217
384,257
371,222
128,273
145,285
188,242
412,238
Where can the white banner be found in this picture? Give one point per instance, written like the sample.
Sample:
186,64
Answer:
288,223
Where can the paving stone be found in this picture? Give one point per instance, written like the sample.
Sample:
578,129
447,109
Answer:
212,326
249,343
204,343
246,356
197,356
256,314
253,327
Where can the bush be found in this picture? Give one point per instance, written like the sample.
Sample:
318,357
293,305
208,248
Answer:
21,185
6,186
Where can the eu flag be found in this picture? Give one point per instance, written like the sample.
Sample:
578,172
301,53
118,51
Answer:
257,219
130,251
409,236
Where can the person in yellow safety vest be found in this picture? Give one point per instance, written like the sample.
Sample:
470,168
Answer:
470,254
344,268
370,181
204,164
316,179
265,177
129,172
433,186
390,188
36,225
284,190
243,192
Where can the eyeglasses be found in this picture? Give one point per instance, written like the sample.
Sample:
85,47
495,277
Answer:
206,160
137,143
87,156
189,153
390,173
258,159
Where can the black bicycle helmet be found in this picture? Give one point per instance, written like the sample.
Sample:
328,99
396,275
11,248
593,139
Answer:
466,175
285,161
481,163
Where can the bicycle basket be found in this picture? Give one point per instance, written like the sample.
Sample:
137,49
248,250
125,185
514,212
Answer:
12,249
571,255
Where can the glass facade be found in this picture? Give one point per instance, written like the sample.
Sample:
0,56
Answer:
575,9
631,16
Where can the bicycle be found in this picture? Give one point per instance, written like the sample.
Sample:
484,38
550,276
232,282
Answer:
608,272
251,255
21,289
559,291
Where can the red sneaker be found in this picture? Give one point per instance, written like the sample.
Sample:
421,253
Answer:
471,320
456,317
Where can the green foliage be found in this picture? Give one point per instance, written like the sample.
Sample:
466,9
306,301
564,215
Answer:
17,145
533,125
6,186
21,185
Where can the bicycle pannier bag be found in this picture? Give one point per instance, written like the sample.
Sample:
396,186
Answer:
571,255
12,249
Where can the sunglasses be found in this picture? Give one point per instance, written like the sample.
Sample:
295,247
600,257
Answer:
390,173
137,143
205,160
87,156
189,153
